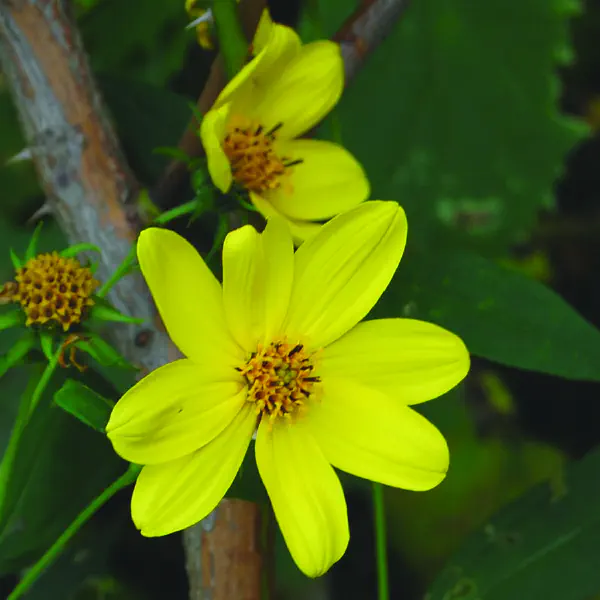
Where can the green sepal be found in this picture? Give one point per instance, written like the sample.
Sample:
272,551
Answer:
103,311
11,318
84,404
103,353
220,235
72,251
47,343
16,261
32,246
16,352
93,267
245,204
199,178
205,199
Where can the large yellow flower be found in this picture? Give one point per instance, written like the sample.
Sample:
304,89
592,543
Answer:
278,349
250,133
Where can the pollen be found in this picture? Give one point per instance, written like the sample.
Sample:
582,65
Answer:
280,380
52,289
254,163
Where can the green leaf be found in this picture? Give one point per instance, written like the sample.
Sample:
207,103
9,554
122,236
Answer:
455,115
102,311
102,352
47,344
500,314
85,404
72,251
16,261
541,546
60,465
33,242
11,318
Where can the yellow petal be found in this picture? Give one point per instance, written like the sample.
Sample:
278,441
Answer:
306,494
341,272
257,281
173,411
278,46
327,182
300,230
410,360
301,92
212,134
375,436
263,31
188,297
175,495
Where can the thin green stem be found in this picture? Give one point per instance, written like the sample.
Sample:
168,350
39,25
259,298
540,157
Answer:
119,272
174,213
232,42
52,553
43,381
26,408
380,542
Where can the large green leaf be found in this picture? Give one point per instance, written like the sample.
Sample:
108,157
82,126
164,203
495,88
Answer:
500,314
455,115
544,545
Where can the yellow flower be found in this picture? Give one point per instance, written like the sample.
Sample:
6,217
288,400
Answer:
278,349
250,134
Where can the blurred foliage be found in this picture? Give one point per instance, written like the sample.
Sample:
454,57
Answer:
466,133
456,116
538,547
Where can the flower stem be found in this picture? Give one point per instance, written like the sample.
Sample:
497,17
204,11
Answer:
232,41
52,553
380,542
26,408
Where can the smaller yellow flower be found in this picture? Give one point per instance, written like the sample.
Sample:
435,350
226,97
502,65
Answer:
278,350
251,133
52,288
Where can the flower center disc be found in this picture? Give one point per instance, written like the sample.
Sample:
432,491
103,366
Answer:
280,379
254,163
51,287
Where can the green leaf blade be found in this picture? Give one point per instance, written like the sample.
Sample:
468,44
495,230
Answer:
84,404
501,315
541,546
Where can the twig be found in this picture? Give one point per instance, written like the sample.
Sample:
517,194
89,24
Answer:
226,544
365,29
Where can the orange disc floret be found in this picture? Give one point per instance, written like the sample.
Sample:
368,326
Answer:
51,287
